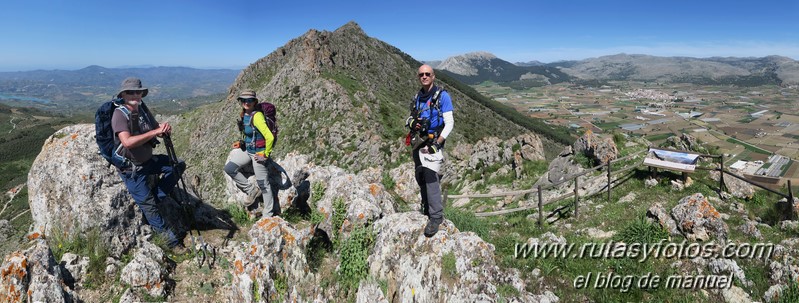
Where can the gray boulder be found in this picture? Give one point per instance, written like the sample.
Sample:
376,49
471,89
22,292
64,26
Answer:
414,268
276,251
658,213
147,271
72,189
602,150
33,276
697,219
735,186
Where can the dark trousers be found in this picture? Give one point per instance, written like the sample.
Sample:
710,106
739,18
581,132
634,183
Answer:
148,190
430,186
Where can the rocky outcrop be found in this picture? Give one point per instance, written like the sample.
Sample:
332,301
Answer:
684,142
362,195
276,252
76,192
415,269
734,186
601,150
659,214
698,220
33,276
72,189
147,271
491,150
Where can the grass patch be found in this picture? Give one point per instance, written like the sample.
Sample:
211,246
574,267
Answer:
89,244
466,221
239,215
448,265
659,137
642,231
749,147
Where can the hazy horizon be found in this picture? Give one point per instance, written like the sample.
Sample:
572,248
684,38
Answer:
210,34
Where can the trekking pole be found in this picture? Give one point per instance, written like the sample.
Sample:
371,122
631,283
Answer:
203,253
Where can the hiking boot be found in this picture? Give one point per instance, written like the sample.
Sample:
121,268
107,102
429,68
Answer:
431,228
253,195
179,250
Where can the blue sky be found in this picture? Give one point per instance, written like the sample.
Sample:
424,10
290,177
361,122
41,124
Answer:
60,34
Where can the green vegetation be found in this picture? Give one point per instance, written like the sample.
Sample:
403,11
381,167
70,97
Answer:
89,245
339,214
239,215
354,251
555,133
790,294
642,231
448,266
748,146
659,137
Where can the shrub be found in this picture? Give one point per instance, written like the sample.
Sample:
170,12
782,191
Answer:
354,252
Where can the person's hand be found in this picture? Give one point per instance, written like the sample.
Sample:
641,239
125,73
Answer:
409,122
260,158
236,144
434,147
164,129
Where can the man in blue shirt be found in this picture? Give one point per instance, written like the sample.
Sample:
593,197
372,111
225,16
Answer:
431,121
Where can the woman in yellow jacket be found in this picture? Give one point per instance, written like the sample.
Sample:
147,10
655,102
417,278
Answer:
258,142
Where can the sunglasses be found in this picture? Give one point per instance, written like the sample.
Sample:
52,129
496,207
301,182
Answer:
425,75
134,92
248,100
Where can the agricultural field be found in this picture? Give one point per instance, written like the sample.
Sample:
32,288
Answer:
744,123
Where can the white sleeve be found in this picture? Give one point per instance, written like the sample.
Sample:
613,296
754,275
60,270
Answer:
449,123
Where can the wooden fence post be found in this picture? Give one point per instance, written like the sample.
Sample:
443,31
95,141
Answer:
540,208
721,176
577,196
790,201
609,181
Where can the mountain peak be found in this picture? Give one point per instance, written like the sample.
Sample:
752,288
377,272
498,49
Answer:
479,55
352,27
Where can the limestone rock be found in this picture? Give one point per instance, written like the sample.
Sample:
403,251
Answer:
406,187
71,188
370,292
33,276
602,150
695,217
749,228
723,266
735,295
276,251
734,186
74,268
658,213
5,230
773,293
147,271
420,276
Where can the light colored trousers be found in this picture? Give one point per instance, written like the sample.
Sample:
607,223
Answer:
262,170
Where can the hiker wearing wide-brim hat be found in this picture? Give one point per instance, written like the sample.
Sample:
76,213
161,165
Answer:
132,85
151,178
254,150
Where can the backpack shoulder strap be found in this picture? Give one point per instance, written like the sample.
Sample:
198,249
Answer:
124,111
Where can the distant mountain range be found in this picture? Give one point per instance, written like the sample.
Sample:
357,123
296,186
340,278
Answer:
474,68
87,87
